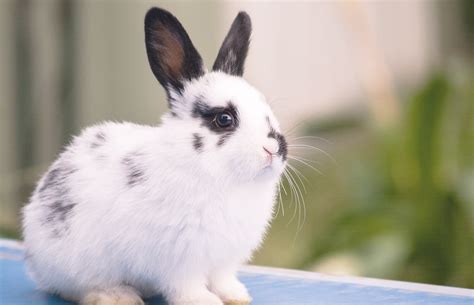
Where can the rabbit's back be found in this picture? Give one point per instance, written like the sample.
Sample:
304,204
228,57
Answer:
78,205
93,167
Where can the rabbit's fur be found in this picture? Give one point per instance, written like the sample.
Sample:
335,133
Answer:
130,211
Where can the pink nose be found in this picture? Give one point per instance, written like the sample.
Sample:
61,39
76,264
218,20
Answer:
269,158
271,147
268,151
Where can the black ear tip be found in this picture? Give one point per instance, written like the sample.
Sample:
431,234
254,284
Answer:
153,14
244,19
243,14
156,13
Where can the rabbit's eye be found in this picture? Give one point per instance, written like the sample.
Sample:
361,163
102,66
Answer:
224,120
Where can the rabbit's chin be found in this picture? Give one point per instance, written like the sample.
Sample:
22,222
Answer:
271,172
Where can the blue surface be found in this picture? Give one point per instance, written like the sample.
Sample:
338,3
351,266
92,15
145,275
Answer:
17,289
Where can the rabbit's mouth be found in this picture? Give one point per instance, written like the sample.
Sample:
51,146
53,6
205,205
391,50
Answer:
268,173
272,168
273,158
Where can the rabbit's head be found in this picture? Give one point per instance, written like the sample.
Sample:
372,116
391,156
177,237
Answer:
230,126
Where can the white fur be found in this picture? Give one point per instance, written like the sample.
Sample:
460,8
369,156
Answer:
185,228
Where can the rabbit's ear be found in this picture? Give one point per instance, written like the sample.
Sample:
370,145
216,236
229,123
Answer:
231,57
171,54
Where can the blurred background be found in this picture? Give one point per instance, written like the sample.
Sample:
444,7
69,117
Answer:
377,98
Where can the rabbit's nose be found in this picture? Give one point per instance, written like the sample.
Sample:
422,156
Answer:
271,147
268,157
268,152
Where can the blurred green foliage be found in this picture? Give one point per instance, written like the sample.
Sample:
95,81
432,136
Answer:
401,201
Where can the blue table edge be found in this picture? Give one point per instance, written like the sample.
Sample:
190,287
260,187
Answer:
365,281
16,245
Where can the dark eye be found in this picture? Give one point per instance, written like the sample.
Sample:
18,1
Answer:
224,120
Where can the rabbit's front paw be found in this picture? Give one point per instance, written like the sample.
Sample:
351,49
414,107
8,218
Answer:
230,291
204,298
116,296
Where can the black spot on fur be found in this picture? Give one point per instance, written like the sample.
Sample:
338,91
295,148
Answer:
234,49
28,257
101,158
60,209
99,140
135,172
53,177
224,138
197,142
268,122
282,145
171,54
54,195
56,177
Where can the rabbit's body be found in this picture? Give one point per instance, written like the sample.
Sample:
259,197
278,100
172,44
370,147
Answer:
129,211
172,223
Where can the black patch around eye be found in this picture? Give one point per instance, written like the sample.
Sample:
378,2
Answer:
197,142
99,140
208,114
282,144
134,172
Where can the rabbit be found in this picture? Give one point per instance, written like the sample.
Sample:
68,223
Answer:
130,211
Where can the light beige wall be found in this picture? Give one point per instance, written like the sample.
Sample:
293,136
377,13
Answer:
7,94
115,81
311,58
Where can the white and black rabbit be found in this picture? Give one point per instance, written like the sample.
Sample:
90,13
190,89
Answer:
129,211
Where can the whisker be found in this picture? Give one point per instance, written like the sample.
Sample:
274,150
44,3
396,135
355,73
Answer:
277,100
293,196
290,183
280,202
297,207
307,160
292,129
313,147
298,173
305,163
299,188
283,187
300,197
312,137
